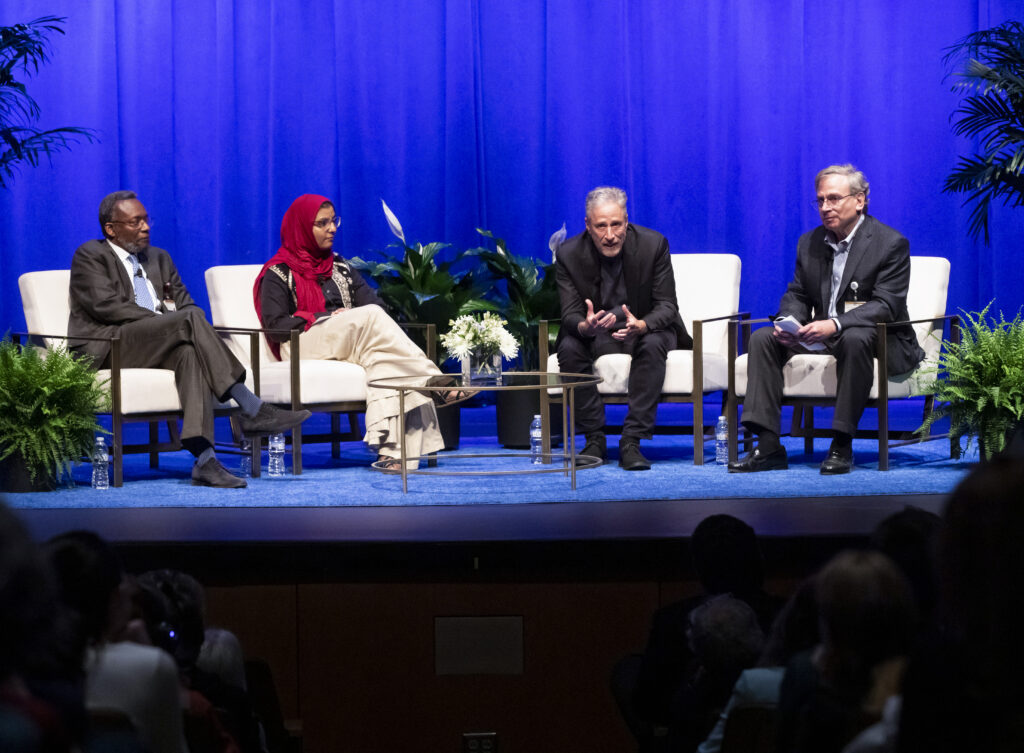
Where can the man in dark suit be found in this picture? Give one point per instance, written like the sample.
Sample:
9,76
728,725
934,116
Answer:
851,273
117,286
618,295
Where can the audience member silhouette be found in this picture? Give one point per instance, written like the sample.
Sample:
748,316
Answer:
794,630
139,682
725,638
727,560
909,538
867,622
219,717
963,692
38,711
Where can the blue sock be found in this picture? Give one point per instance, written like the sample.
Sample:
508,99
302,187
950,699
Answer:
247,401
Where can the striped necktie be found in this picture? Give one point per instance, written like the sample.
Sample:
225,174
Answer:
142,295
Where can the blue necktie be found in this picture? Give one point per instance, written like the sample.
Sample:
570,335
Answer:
142,296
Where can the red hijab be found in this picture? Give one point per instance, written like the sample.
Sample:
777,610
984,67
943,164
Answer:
306,260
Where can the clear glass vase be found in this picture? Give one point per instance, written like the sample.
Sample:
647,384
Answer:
482,369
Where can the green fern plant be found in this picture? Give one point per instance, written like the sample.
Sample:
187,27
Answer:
48,406
980,382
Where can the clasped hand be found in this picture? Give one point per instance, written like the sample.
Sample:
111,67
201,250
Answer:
605,320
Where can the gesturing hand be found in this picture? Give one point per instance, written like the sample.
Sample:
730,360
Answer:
596,320
634,327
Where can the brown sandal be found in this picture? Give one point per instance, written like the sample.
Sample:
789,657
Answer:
388,464
448,397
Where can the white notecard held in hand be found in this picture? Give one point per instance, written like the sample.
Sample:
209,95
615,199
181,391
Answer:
792,326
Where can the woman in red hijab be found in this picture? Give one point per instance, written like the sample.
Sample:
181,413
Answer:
305,284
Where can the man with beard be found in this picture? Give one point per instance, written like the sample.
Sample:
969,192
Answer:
618,295
117,286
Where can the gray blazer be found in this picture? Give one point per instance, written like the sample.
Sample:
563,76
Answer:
102,296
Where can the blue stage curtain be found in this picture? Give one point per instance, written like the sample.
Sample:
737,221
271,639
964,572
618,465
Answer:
470,113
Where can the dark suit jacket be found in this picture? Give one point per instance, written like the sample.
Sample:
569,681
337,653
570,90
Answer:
103,297
650,284
879,260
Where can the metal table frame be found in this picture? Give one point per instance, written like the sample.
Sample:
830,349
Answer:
571,461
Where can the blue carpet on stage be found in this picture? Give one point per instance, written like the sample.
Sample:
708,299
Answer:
348,481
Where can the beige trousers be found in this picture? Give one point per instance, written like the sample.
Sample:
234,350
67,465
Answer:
368,337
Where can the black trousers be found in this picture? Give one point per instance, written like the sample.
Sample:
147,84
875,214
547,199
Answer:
854,349
203,365
646,378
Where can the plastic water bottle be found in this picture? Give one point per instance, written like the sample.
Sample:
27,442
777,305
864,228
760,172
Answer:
275,464
536,442
722,441
100,462
245,464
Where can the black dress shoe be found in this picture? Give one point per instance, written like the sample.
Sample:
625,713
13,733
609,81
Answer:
837,461
631,459
271,420
596,447
757,460
212,473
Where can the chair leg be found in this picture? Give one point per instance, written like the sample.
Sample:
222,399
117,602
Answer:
154,440
297,451
883,435
698,428
809,428
117,453
335,431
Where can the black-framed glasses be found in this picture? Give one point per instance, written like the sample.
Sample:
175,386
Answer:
135,222
322,224
831,201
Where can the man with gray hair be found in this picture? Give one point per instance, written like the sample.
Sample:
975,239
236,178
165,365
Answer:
618,295
851,273
118,286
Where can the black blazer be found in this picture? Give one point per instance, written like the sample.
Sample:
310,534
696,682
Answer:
102,296
879,261
650,283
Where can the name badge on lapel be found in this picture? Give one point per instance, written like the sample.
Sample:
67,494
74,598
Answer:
850,305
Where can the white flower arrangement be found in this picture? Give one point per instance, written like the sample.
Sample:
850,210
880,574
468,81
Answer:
485,336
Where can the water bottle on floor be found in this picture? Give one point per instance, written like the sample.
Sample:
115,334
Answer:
536,442
100,462
722,441
245,464
275,464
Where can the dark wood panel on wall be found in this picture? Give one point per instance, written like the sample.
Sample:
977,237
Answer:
368,679
264,619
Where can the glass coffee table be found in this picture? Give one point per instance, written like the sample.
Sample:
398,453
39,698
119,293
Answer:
566,462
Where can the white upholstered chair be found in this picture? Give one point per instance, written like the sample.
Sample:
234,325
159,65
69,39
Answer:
333,387
136,394
809,380
708,293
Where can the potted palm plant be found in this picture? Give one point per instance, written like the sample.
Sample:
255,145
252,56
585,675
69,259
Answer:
48,406
525,291
417,287
990,73
23,48
980,383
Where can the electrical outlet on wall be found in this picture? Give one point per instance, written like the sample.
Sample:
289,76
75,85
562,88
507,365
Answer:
479,742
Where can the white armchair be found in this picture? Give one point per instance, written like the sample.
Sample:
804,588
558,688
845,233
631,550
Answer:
708,292
136,394
809,380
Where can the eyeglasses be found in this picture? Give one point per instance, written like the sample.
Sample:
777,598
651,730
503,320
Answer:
322,224
831,201
134,222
